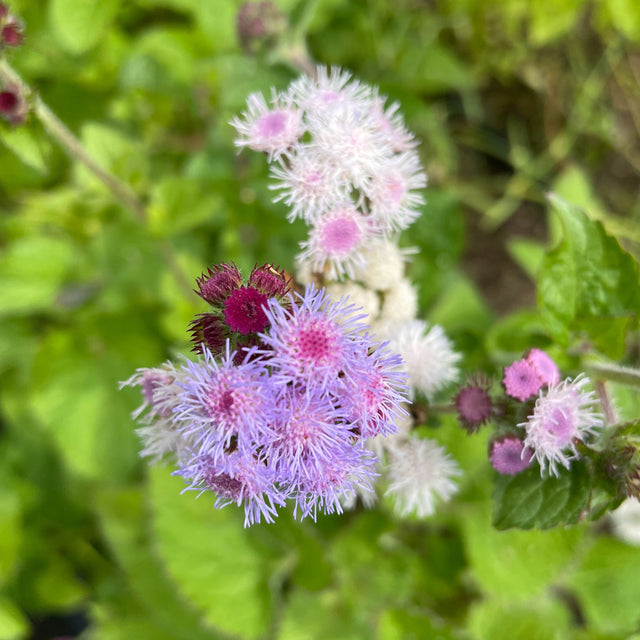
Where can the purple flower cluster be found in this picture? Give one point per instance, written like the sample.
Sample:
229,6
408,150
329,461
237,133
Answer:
289,419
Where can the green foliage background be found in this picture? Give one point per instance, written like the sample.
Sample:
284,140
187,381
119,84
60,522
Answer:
510,100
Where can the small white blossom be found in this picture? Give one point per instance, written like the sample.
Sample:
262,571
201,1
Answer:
400,302
420,474
358,296
428,356
384,265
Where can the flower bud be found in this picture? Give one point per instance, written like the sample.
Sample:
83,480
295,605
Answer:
12,33
259,25
474,407
13,106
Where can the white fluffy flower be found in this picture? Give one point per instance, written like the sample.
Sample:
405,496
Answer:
563,413
393,192
626,522
428,356
359,296
308,184
420,473
384,265
400,302
272,130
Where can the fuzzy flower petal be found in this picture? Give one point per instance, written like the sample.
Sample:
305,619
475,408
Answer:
420,474
564,413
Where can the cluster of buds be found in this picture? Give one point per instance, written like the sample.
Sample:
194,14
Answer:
620,460
538,415
237,310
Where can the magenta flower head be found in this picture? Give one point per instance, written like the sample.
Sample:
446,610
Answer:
521,380
208,331
218,283
474,406
561,416
509,456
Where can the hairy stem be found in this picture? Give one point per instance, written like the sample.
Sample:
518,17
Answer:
76,150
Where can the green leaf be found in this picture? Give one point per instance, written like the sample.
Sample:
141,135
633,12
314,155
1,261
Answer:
587,277
179,204
29,145
528,500
79,25
399,624
32,270
516,565
542,619
13,623
125,522
607,586
209,557
10,532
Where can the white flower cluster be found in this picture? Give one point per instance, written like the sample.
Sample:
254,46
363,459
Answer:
342,160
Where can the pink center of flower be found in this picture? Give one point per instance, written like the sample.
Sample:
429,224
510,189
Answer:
272,124
561,426
221,405
329,97
243,311
340,235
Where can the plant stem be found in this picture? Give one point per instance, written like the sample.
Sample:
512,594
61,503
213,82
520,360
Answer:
615,373
607,406
76,150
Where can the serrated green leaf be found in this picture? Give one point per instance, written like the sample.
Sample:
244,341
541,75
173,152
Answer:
79,25
209,557
528,500
587,276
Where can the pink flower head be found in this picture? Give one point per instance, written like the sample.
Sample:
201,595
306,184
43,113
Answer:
312,338
13,106
562,415
219,281
521,380
547,369
337,239
391,125
272,130
509,456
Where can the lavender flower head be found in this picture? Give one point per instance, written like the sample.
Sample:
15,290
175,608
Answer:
562,415
289,420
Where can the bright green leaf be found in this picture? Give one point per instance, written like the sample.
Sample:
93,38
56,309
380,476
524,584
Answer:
29,145
13,623
78,25
209,558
